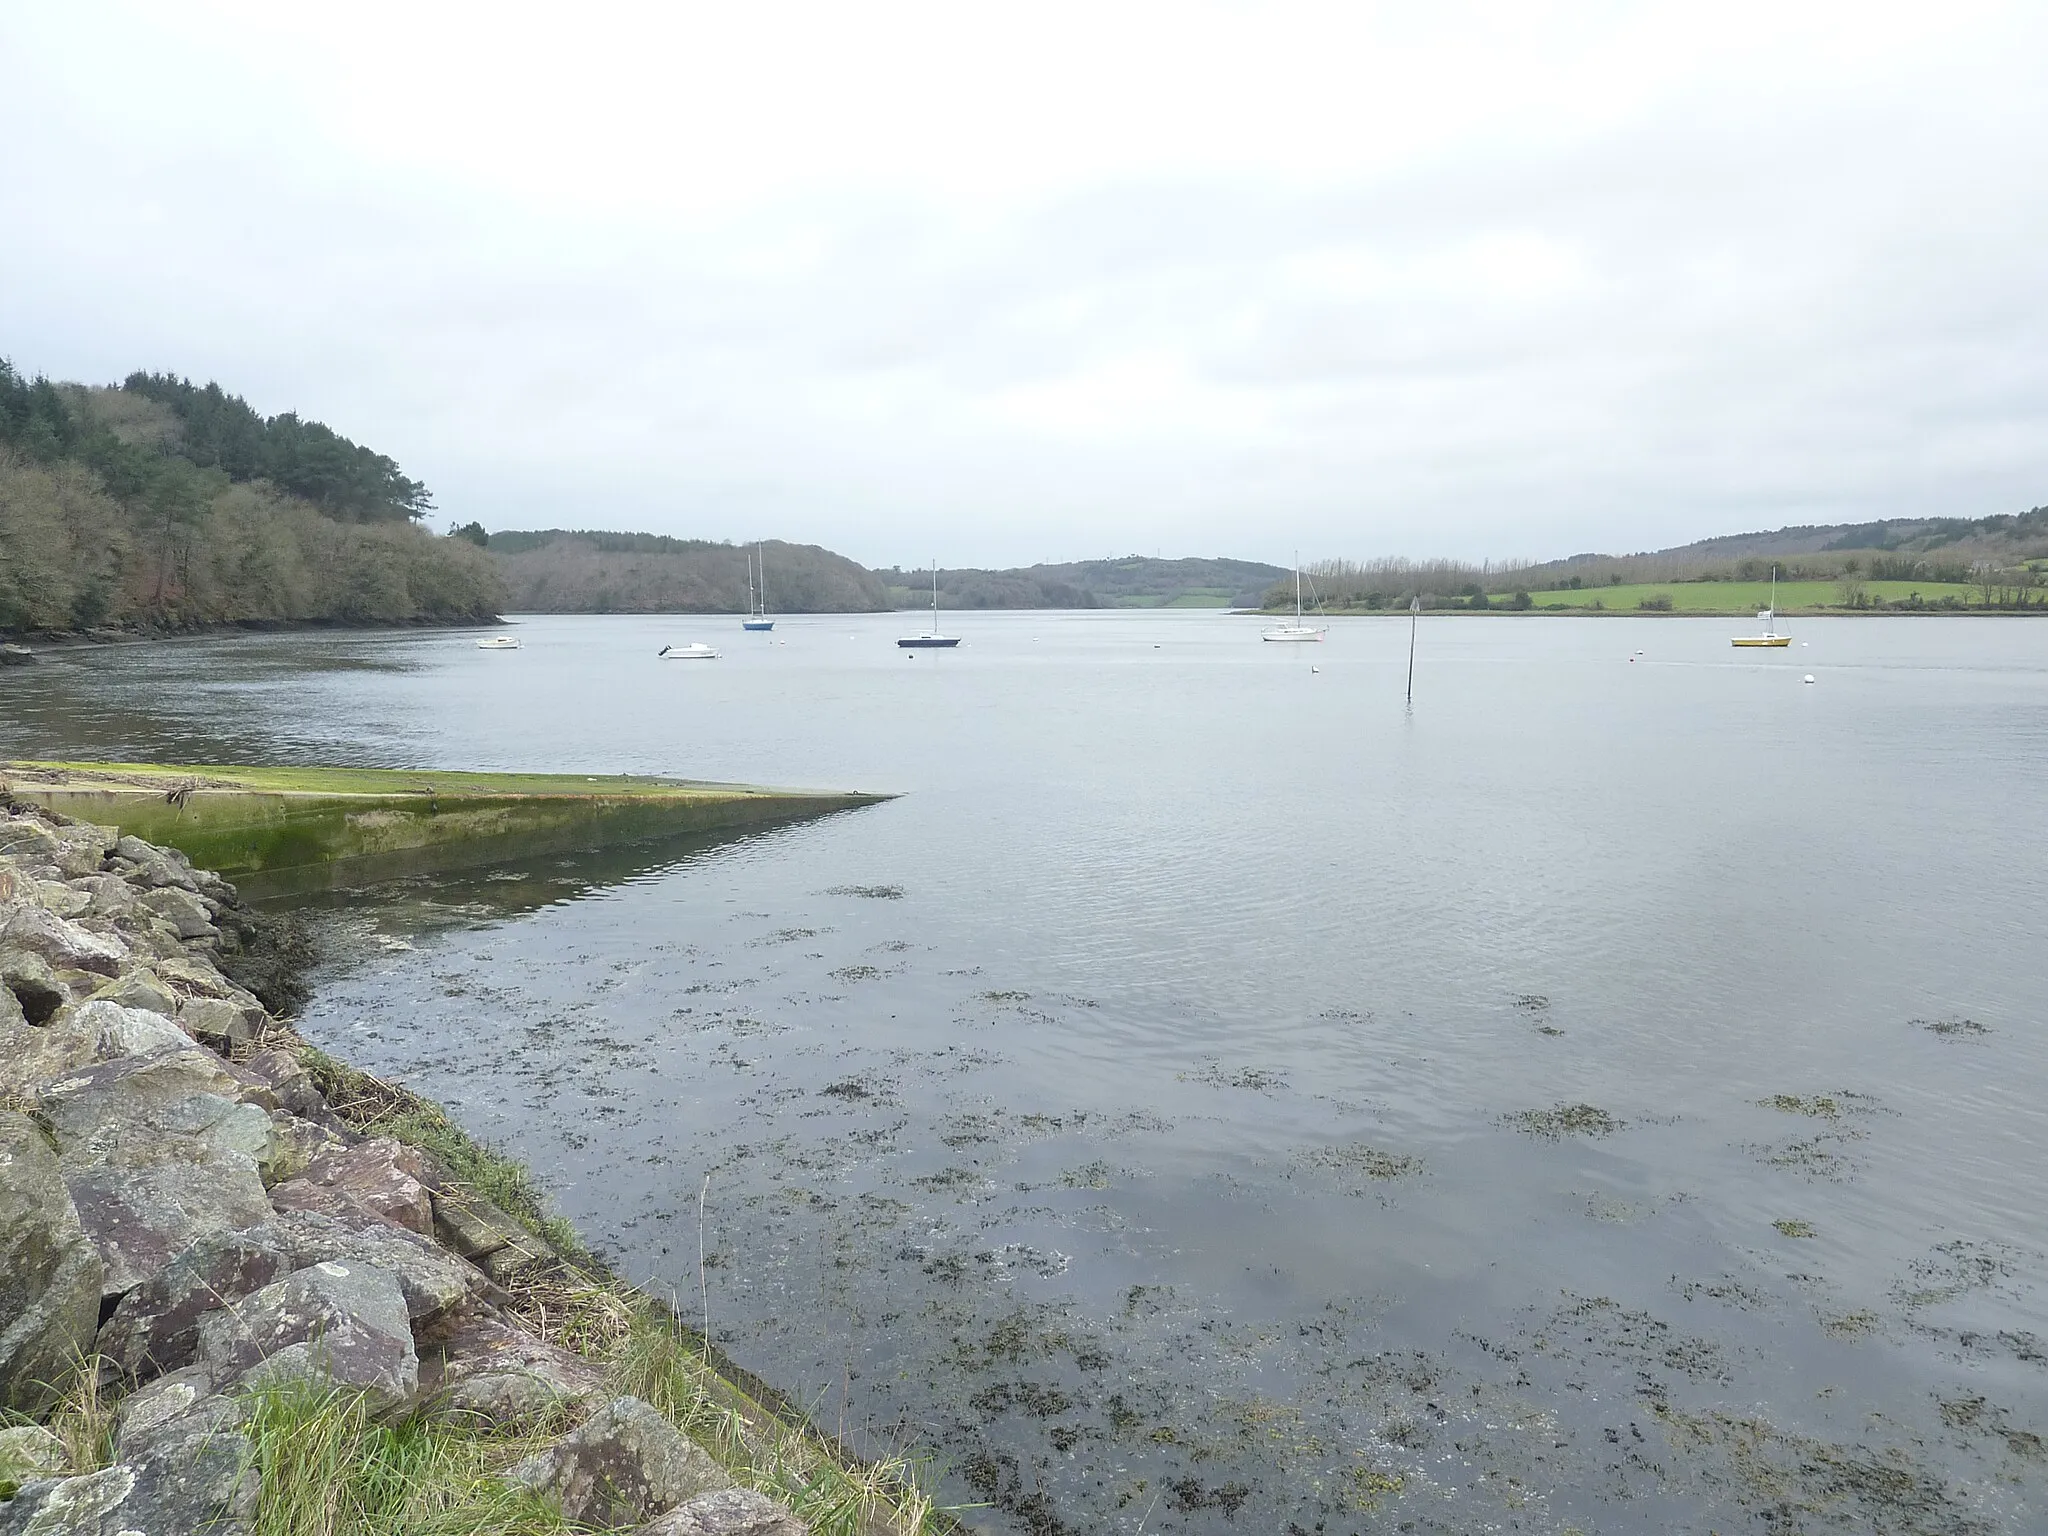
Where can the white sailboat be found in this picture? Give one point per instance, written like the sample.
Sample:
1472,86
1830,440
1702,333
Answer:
498,643
931,639
757,617
696,650
1300,629
1770,637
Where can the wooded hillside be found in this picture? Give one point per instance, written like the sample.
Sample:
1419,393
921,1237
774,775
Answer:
558,571
1134,581
161,505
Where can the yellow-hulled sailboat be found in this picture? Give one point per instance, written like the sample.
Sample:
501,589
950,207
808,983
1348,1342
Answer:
1770,637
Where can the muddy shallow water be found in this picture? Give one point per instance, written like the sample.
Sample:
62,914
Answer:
1214,1098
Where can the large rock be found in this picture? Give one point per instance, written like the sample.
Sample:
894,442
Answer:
118,1031
33,982
155,867
36,1055
112,897
27,1452
474,1364
172,1411
175,1104
729,1512
49,1272
296,1092
626,1464
294,1145
64,944
55,896
137,988
141,1218
183,911
208,1485
219,1023
371,1176
336,1324
432,1280
472,1225
155,1328
194,978
30,840
82,848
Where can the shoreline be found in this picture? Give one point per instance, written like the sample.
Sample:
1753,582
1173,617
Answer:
1560,611
247,1240
106,636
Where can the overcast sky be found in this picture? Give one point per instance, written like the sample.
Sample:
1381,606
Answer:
1047,281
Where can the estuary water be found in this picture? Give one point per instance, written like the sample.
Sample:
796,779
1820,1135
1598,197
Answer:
1606,1095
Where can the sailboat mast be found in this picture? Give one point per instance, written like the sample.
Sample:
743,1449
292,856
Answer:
1297,589
761,555
935,597
1414,617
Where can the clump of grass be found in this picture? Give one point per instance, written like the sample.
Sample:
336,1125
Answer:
329,1469
1793,1227
501,1180
838,1497
82,1420
1565,1120
575,1311
871,892
656,1362
659,1361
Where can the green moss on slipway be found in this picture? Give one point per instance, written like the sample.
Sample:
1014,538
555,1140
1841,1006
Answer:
303,828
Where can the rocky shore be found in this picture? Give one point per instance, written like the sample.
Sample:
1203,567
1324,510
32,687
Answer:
213,1237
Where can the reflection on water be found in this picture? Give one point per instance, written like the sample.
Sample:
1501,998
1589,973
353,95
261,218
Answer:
1212,1099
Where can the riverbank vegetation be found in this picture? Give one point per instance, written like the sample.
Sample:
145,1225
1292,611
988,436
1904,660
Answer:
1993,564
158,505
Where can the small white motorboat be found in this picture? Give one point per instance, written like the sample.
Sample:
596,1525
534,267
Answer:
498,643
696,650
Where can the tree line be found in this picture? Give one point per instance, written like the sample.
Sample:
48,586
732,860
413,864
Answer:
162,505
561,571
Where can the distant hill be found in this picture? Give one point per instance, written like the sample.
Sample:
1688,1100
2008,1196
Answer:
1134,581
1949,549
558,570
2003,558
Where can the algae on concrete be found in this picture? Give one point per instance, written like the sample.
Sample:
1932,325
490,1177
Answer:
309,827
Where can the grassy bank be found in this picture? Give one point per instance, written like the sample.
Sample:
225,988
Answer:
1746,597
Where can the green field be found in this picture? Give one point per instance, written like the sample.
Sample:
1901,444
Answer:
1749,596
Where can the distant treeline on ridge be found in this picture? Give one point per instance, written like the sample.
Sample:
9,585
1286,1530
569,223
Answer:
561,571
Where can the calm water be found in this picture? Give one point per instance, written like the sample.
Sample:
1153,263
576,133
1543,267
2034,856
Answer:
1136,1112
